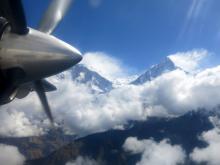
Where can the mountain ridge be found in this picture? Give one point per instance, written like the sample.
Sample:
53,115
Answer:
81,74
99,84
106,147
154,71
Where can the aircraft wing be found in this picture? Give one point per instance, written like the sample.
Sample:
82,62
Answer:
13,11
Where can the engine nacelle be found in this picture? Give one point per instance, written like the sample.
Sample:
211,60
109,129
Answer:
8,85
23,91
7,94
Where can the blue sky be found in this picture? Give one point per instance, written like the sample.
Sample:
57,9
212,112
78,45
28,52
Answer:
138,32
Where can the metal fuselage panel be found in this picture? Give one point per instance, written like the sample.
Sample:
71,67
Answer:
38,54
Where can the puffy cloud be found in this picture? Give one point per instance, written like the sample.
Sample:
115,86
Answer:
22,118
189,61
171,94
209,154
80,111
106,65
85,112
154,153
16,124
82,161
10,155
135,146
177,92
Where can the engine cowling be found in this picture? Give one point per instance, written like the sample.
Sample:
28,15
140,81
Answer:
9,87
7,94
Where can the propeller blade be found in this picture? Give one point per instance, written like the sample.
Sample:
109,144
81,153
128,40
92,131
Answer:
54,15
42,96
13,11
48,87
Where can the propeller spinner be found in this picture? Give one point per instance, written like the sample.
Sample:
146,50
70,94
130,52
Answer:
37,54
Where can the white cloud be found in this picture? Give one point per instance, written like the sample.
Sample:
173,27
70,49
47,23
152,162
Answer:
134,146
80,111
189,61
86,112
209,154
174,93
10,155
154,153
82,161
106,65
16,124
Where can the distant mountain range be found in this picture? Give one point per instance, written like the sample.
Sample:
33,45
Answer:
97,83
56,148
106,148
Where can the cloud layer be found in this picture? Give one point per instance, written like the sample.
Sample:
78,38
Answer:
10,155
189,61
171,94
154,153
79,111
106,65
16,123
209,154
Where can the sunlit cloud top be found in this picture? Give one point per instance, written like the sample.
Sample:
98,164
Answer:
106,65
190,61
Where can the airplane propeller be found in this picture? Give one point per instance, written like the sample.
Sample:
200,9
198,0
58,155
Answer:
42,96
56,11
54,14
13,11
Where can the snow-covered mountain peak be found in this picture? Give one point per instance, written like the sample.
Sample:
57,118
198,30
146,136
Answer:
166,65
81,74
